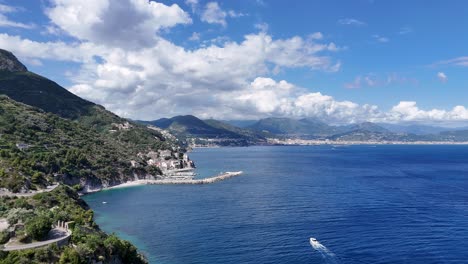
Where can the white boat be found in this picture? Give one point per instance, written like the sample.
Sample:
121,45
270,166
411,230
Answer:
314,242
104,202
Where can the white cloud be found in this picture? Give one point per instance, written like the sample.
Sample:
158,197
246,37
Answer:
460,61
166,79
405,30
7,8
6,22
442,77
193,4
381,39
263,27
27,49
316,35
224,79
213,14
101,22
409,111
375,80
351,22
235,14
195,36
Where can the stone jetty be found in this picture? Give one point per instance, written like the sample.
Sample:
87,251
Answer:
223,176
214,179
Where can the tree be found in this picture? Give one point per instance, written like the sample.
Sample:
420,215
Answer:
38,227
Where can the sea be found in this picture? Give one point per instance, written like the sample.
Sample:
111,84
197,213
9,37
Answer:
361,204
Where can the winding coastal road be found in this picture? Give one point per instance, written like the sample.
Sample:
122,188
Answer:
50,188
57,235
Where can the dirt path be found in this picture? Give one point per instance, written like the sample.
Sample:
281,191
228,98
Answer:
4,192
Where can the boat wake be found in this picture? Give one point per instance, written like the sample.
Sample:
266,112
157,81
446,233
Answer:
327,255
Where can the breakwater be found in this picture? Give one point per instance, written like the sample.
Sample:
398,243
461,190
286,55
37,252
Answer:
223,176
214,179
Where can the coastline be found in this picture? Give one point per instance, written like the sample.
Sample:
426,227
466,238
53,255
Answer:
312,142
209,180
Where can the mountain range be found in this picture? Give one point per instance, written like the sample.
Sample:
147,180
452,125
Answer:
252,132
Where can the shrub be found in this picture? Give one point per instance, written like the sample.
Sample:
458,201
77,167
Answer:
70,256
4,237
38,227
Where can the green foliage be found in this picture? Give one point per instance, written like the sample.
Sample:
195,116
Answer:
38,228
126,251
64,204
4,237
70,256
31,256
59,148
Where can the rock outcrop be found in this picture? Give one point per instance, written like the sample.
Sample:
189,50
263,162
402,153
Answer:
8,62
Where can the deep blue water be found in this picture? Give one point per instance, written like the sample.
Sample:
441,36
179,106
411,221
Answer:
364,204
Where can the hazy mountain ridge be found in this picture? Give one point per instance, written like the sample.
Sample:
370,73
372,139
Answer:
191,127
308,128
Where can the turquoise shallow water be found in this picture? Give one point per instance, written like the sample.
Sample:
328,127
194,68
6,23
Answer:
364,204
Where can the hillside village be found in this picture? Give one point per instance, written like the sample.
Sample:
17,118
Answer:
169,161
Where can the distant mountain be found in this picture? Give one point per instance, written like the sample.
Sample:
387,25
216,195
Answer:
306,127
418,129
240,123
248,133
458,135
189,126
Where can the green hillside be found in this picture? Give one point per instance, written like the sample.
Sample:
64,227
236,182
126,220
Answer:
37,148
88,244
29,88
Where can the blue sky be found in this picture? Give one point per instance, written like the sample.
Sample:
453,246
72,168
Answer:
340,61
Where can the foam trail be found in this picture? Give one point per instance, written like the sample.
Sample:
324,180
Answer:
327,255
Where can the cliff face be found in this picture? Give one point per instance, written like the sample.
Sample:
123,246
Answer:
8,62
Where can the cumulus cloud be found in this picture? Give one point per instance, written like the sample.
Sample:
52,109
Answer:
442,77
139,74
165,79
409,111
213,14
101,22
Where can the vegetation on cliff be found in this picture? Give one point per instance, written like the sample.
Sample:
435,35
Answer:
87,243
38,148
